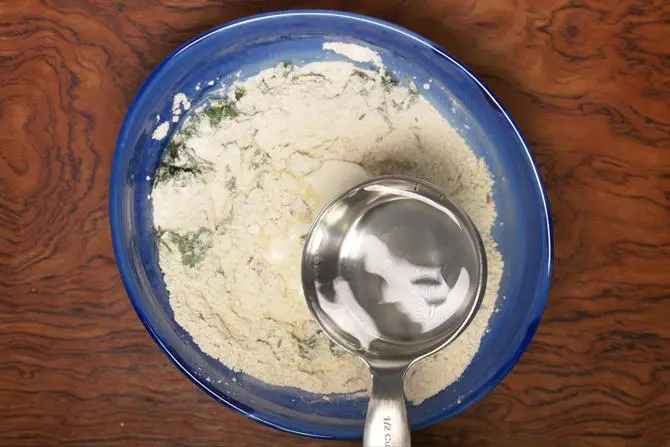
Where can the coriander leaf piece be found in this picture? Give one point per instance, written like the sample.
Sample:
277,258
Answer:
193,246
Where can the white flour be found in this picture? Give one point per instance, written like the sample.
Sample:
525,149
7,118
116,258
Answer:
241,185
354,52
161,131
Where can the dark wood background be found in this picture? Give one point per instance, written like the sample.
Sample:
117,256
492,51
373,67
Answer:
588,82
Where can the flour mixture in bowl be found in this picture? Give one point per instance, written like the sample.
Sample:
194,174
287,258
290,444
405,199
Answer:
243,179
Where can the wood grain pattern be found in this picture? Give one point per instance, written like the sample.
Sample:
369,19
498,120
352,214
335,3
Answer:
589,84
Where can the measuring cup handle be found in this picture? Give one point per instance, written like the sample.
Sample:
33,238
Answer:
386,422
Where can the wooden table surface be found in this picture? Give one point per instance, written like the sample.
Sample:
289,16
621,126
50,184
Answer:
589,84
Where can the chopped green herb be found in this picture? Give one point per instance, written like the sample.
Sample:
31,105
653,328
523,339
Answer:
231,184
173,150
311,75
397,105
411,86
361,74
260,158
167,171
159,233
306,346
239,93
388,166
335,349
264,87
179,162
286,67
190,129
187,132
216,113
192,246
389,80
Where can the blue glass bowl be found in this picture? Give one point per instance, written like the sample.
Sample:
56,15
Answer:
523,230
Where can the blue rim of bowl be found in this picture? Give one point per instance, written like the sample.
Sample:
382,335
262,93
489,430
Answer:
133,292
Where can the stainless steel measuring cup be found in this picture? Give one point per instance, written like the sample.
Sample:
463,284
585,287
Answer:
392,271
